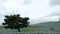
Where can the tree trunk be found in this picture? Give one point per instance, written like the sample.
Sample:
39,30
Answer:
18,29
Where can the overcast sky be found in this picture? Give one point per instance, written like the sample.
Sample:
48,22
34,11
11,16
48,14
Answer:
36,10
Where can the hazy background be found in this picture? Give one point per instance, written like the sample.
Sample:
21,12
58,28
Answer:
37,10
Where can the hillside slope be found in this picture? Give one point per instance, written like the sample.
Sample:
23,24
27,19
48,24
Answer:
55,25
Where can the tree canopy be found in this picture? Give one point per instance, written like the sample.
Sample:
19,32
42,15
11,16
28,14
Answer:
15,22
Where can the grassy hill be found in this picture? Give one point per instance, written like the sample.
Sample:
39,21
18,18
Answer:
40,27
48,24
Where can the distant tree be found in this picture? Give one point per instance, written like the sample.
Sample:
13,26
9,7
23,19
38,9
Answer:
59,19
15,22
52,28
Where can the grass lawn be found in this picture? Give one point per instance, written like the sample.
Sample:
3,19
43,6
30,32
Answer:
57,30
24,30
33,30
28,30
1,28
35,27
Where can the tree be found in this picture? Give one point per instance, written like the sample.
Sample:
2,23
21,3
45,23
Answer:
59,19
15,22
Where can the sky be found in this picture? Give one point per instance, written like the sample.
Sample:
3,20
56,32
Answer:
37,10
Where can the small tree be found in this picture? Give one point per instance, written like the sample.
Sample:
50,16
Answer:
59,19
15,22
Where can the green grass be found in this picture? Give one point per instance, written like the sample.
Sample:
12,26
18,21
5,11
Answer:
54,23
33,30
35,27
1,28
24,30
28,30
57,30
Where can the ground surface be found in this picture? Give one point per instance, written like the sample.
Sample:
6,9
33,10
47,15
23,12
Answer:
37,28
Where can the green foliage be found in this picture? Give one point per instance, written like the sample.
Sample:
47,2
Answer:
15,21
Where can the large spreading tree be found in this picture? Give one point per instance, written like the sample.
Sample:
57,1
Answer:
15,22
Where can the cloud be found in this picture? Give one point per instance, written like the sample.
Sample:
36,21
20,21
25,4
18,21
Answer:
55,7
54,2
37,7
36,10
26,2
